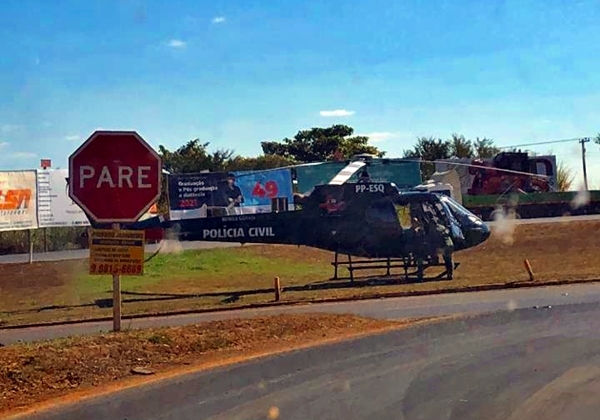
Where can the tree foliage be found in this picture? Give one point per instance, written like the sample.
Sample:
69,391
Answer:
564,177
240,163
429,149
193,157
321,144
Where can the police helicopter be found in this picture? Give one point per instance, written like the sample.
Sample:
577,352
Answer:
362,219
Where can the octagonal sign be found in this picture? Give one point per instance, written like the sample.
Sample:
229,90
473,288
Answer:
115,176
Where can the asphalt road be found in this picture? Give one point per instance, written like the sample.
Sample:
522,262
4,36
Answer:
519,365
390,308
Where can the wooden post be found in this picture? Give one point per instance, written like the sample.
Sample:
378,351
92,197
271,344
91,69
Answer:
45,240
335,266
277,287
116,294
529,270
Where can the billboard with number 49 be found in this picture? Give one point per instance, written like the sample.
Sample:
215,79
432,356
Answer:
217,193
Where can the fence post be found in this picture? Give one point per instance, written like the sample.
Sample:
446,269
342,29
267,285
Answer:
277,287
529,270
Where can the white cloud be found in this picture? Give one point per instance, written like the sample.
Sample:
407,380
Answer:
379,136
218,19
18,155
3,144
176,43
336,113
73,137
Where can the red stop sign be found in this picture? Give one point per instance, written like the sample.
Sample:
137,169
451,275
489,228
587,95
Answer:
115,176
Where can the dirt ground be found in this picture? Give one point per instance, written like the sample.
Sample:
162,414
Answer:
31,373
556,251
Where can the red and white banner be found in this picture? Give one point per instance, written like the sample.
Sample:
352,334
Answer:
18,200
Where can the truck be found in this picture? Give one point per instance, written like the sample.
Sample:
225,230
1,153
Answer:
510,181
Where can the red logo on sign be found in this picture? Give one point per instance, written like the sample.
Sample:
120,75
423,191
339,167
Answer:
115,176
15,199
270,189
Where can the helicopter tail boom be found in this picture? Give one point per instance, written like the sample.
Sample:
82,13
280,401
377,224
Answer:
255,228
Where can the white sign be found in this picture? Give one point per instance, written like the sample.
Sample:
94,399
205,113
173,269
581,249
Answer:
119,179
18,198
253,232
370,188
55,207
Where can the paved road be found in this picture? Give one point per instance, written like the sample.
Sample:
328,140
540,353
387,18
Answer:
392,308
521,365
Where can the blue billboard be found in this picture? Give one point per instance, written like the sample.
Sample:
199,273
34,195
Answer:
207,194
259,187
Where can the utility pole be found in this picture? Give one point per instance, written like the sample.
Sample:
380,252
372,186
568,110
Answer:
583,141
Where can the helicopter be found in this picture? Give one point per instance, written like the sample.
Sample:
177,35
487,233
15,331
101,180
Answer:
362,219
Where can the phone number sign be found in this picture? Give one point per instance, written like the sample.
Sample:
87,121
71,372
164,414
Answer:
116,252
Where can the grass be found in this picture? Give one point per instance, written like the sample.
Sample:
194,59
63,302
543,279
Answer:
43,292
45,371
215,269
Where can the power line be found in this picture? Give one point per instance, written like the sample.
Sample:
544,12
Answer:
540,143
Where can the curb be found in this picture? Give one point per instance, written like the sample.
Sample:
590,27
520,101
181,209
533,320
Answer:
466,289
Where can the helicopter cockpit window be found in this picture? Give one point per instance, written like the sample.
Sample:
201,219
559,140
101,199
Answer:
381,213
458,211
431,211
404,216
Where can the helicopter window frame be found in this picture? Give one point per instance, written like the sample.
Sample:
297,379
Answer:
381,212
459,212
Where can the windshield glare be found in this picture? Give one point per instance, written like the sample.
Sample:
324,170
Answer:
457,210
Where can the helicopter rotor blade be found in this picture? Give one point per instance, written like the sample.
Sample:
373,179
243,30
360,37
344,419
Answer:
345,174
450,162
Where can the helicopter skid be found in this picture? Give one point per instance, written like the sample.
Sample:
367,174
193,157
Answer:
388,264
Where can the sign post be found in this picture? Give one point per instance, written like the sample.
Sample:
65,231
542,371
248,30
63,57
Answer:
115,177
116,280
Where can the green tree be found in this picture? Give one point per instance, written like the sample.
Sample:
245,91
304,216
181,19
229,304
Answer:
193,157
321,144
460,147
429,149
241,163
485,148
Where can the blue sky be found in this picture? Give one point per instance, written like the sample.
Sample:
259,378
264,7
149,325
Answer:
238,72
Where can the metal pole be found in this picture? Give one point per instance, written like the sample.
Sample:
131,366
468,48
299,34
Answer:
30,244
116,293
583,141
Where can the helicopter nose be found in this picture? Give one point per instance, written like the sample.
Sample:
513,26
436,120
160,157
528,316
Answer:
479,234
